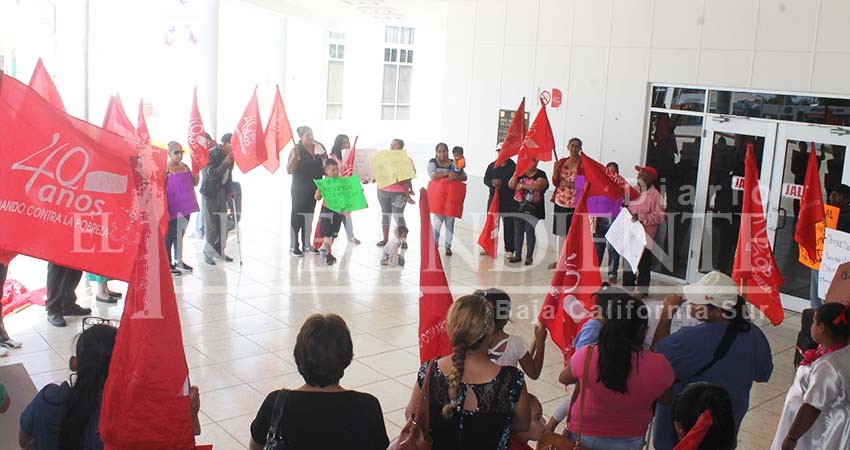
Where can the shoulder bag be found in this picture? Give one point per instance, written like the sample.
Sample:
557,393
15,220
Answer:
274,439
416,434
554,441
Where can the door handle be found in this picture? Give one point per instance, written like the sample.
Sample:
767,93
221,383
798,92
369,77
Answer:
783,213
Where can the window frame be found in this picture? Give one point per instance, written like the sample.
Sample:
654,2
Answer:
393,52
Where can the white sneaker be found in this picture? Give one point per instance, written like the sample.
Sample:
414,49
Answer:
509,255
3,352
10,343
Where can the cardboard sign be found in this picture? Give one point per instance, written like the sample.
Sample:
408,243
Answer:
446,197
839,289
362,166
831,222
836,252
21,390
342,194
391,166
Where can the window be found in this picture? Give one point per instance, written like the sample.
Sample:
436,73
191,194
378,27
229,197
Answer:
398,73
336,57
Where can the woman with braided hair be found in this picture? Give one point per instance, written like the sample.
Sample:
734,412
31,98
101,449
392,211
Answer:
473,402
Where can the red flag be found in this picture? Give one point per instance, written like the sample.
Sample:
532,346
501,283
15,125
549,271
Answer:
6,258
811,209
146,397
198,145
516,133
693,439
249,145
278,133
42,83
68,186
577,278
435,298
755,268
317,236
489,238
142,125
347,169
538,143
116,119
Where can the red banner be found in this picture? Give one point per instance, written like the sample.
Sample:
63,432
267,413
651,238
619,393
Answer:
489,237
141,411
278,133
538,143
811,211
435,298
446,197
577,278
754,267
199,148
67,188
249,144
513,140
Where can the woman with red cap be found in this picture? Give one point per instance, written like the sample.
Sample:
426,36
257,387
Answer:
648,209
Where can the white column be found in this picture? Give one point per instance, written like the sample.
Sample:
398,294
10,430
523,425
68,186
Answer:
208,88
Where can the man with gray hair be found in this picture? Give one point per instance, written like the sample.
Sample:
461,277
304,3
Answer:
217,190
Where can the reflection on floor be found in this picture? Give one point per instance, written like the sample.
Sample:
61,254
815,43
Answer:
240,324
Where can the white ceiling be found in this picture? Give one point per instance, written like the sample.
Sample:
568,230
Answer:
356,10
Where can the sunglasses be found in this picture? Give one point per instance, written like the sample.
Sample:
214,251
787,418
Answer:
177,152
89,322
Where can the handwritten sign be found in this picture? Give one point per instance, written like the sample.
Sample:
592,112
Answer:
839,289
836,251
831,222
342,194
446,197
391,166
362,166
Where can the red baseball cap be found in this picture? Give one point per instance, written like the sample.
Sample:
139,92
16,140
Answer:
650,170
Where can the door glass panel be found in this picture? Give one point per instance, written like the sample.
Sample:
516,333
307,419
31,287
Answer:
831,163
723,202
673,150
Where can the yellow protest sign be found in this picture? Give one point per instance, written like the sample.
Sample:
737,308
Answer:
831,213
391,166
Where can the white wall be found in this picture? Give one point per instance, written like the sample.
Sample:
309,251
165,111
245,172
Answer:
604,53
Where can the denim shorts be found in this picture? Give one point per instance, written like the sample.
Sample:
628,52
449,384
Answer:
611,443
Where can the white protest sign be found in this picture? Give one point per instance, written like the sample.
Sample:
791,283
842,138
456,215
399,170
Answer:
362,166
836,251
627,237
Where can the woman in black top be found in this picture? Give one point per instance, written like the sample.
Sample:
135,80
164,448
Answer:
321,414
474,403
305,165
497,178
529,189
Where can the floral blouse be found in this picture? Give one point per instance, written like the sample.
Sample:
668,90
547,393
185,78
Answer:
564,181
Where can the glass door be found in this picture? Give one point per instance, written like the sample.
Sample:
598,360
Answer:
793,144
717,212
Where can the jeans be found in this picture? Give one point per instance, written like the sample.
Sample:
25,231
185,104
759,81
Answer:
61,284
199,222
392,205
644,270
508,222
524,229
174,237
215,224
813,291
437,221
599,241
610,443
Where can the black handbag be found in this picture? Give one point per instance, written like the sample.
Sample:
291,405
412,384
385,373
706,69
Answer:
274,438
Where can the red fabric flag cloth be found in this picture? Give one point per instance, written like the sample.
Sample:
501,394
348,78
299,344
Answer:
6,257
142,125
146,397
198,145
513,140
693,439
67,186
347,168
435,298
317,236
446,197
755,268
116,119
811,209
42,82
489,238
576,280
249,145
538,143
278,133
605,183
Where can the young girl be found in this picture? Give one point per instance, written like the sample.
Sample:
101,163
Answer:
512,350
342,143
329,221
394,250
817,406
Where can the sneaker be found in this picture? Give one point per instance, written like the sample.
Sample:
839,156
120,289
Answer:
3,352
354,241
209,260
227,259
312,250
117,295
552,266
107,299
381,243
331,259
296,252
529,262
515,259
10,343
75,310
449,251
175,271
56,320
612,280
185,267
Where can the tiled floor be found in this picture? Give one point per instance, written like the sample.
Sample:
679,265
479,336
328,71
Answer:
240,324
